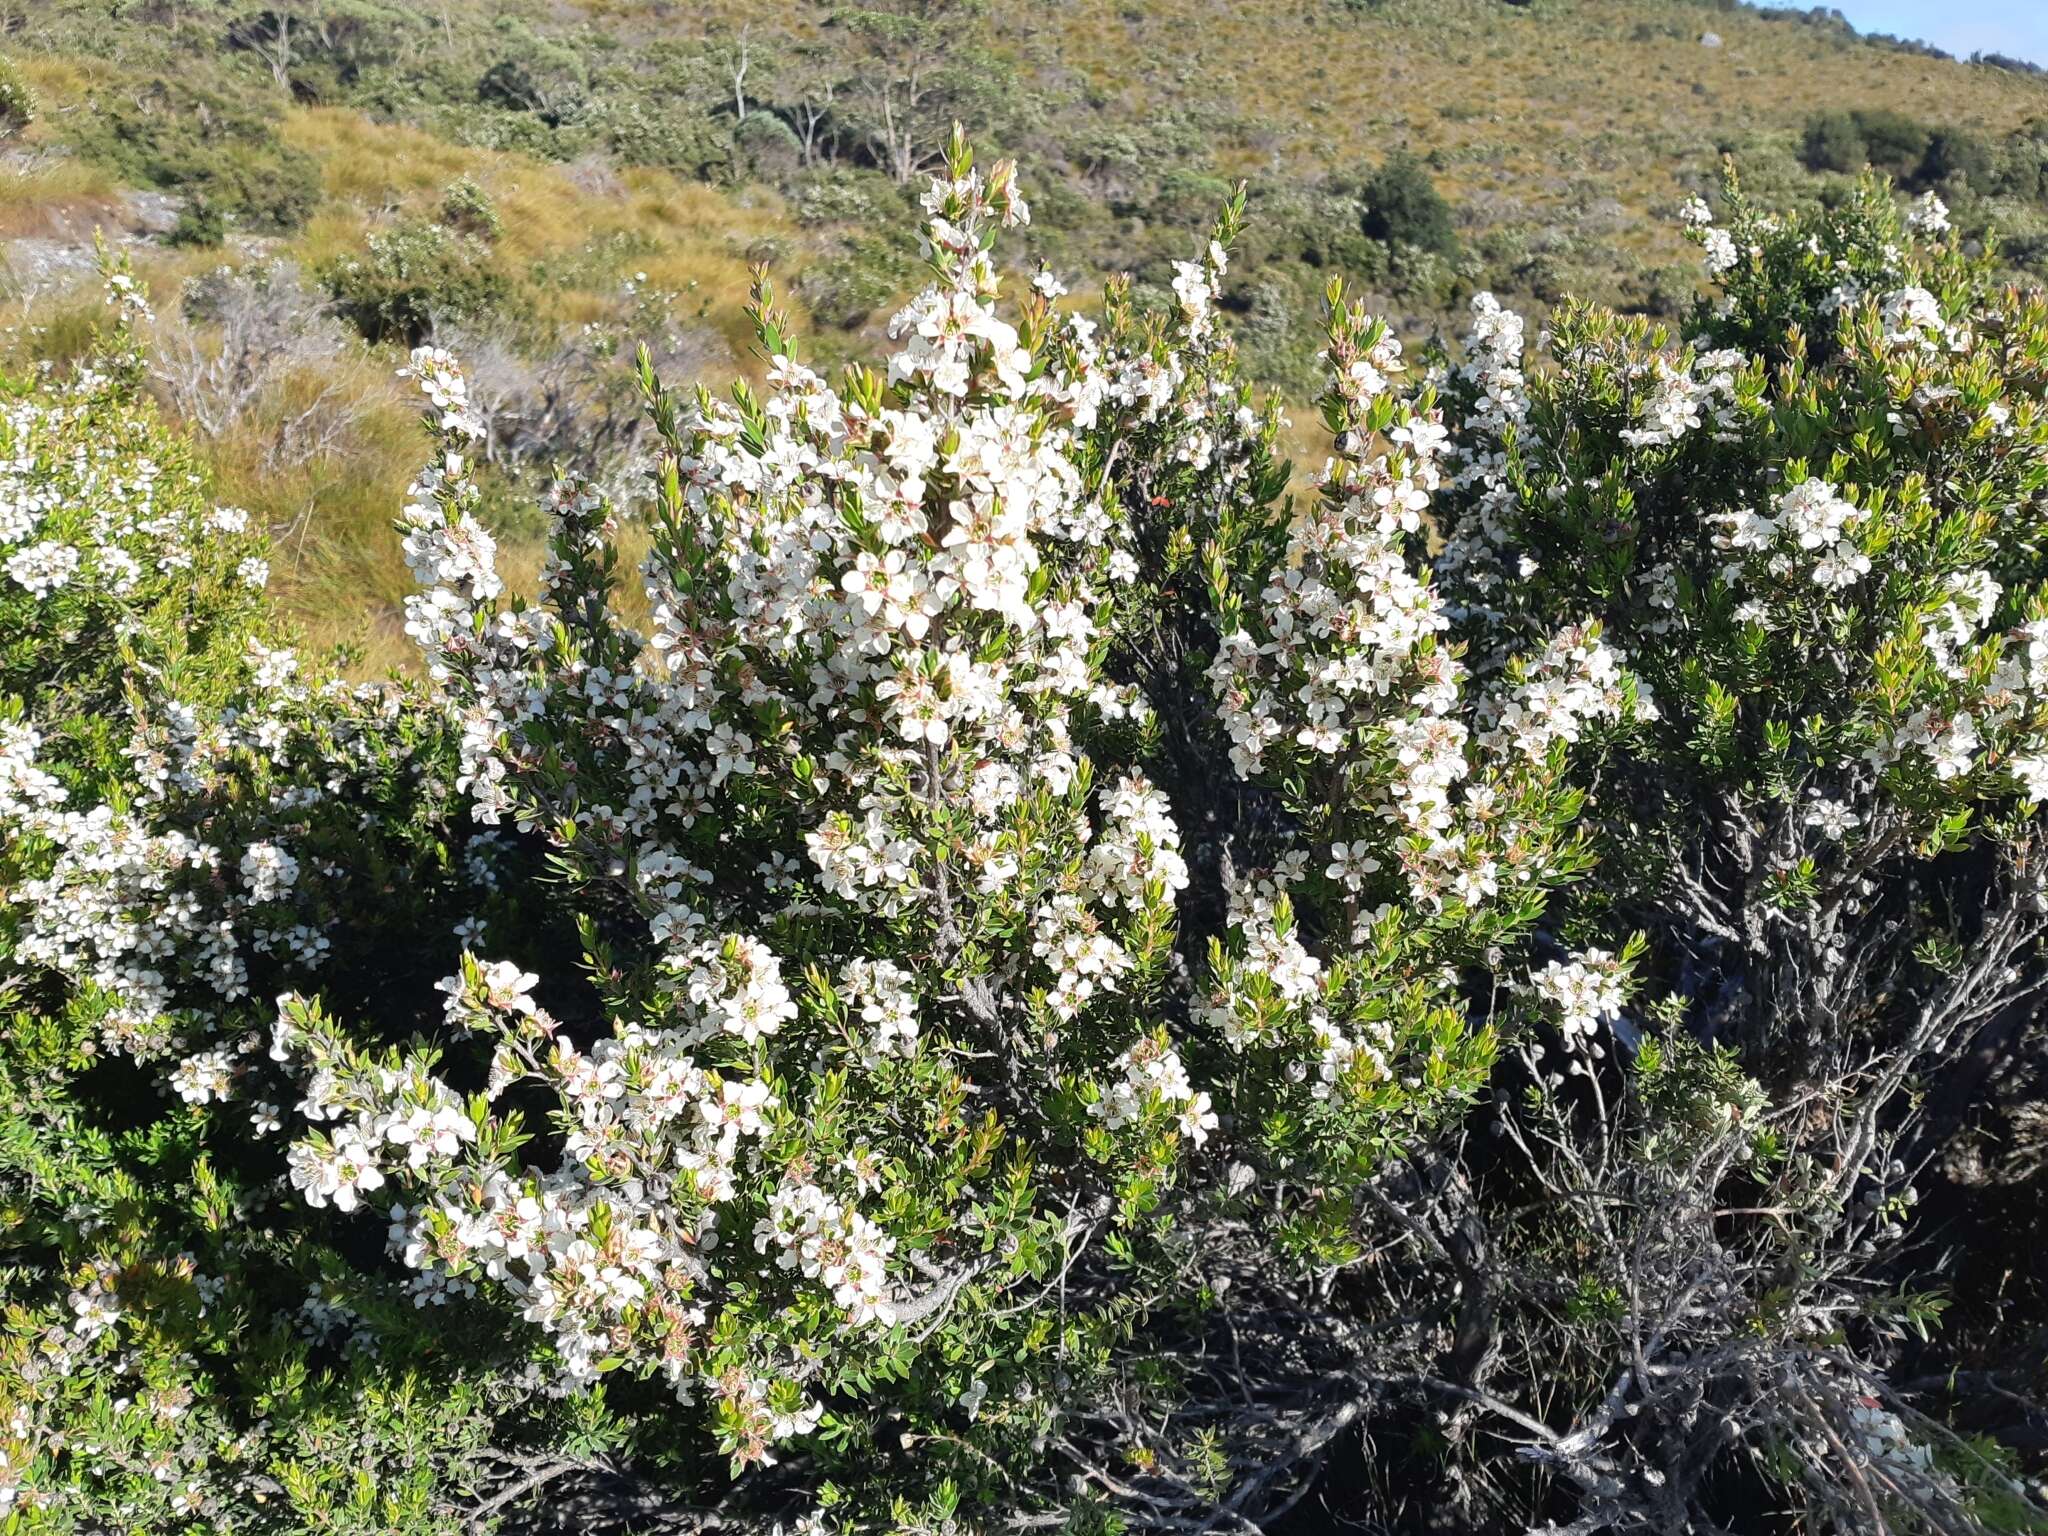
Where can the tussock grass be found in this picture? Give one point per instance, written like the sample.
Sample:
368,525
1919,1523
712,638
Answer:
54,197
690,238
53,332
336,562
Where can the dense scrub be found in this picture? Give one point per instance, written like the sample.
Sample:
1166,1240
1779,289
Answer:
1055,983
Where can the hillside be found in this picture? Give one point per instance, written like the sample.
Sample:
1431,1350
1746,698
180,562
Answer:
542,182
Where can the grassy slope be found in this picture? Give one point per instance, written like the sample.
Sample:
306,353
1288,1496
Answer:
1554,113
1524,104
1580,122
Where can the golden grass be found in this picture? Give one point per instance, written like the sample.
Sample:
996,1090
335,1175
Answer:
335,560
372,171
337,567
55,196
60,81
374,165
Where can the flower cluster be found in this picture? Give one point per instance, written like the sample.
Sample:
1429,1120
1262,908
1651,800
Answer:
846,786
189,817
1811,532
1581,993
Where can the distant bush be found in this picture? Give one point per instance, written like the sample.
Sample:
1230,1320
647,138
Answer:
412,277
1953,154
767,146
672,138
1274,329
549,81
1919,156
17,101
844,194
2007,62
241,359
198,143
1847,141
2022,169
1403,207
846,289
1189,197
1891,139
200,225
1833,143
467,208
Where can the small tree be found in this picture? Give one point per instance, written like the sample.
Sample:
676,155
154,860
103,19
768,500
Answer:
912,81
1403,207
1834,142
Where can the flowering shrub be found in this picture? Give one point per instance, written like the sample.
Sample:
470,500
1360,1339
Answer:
1813,529
1056,979
897,1035
190,818
1829,573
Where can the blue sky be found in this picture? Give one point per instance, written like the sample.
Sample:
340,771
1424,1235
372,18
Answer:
1963,27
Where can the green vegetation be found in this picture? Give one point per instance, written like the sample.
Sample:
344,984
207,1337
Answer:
414,277
779,1063
17,102
1403,207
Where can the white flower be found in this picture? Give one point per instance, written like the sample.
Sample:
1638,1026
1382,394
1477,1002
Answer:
1833,817
440,379
43,568
336,1172
1928,215
736,986
501,987
1350,863
1842,566
1912,317
208,1075
2031,769
1586,991
269,871
881,990
1954,750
